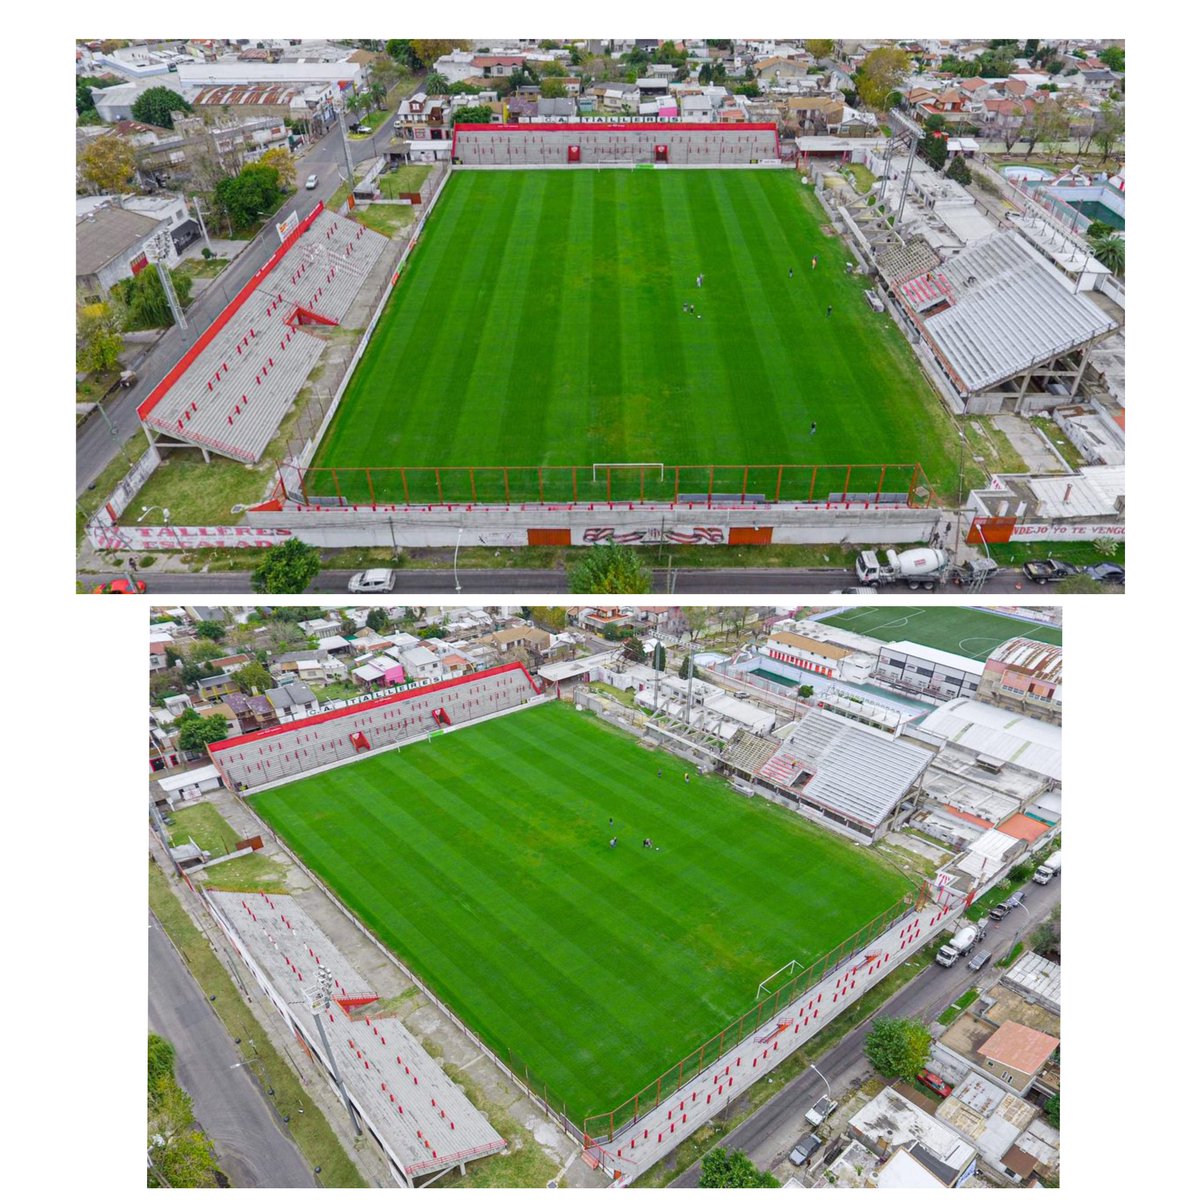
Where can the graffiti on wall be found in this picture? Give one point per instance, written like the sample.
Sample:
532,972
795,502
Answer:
698,535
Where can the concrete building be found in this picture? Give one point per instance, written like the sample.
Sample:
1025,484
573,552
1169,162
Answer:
1025,676
909,667
809,653
997,737
890,1125
115,237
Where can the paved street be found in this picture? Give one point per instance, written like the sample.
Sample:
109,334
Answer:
252,1147
689,581
95,443
770,1133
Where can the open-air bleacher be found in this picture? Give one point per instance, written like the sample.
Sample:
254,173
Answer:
231,390
782,768
271,755
422,1119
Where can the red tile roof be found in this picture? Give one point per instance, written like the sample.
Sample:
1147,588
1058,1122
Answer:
1023,827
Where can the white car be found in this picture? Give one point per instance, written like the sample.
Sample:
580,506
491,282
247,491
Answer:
310,182
378,580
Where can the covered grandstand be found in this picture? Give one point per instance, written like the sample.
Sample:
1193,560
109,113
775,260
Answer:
268,756
229,392
668,144
997,317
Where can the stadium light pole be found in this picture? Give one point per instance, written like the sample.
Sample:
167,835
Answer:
823,1079
457,540
323,994
962,451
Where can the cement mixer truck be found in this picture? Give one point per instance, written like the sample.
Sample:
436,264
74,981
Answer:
924,568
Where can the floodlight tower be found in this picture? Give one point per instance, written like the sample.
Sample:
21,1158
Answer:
159,251
341,116
913,133
320,996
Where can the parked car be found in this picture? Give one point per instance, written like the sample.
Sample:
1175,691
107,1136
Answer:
935,1083
1049,570
1000,912
310,182
1106,572
119,587
378,580
1014,899
980,960
820,1110
859,591
804,1149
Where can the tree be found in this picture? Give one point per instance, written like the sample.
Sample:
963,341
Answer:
634,650
805,690
1048,124
958,170
195,731
429,50
145,301
685,666
609,569
280,158
289,567
212,630
98,338
347,628
179,1155
84,101
377,619
819,47
549,618
473,114
897,1046
750,88
155,106
1110,251
243,199
721,1169
203,651
933,147
1110,127
1113,57
881,72
108,163
1046,939
1052,1111
435,84
553,89
253,677
659,658
400,50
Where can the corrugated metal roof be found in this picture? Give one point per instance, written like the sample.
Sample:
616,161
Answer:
856,773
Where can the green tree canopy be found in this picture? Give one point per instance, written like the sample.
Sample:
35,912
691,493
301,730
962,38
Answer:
195,731
401,51
897,1046
1113,57
721,1169
289,567
179,1155
958,170
473,114
553,89
436,84
377,619
429,50
155,105
659,658
1052,1110
609,569
253,677
213,631
881,71
685,666
145,301
550,618
634,650
108,162
243,199
97,337
819,47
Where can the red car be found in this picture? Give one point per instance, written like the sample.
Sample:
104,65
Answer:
119,587
935,1083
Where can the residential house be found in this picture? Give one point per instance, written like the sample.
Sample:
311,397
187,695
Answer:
493,66
518,637
423,118
455,664
560,108
292,701
321,627
1011,1041
616,97
232,662
159,645
1025,676
251,712
917,1149
214,687
775,69
421,664
456,67
379,670
313,667
813,114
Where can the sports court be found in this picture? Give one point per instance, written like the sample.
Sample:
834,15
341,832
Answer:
482,858
970,632
553,319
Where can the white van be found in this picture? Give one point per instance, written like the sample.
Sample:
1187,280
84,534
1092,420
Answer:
378,580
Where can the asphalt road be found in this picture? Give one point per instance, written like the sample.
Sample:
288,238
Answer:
97,440
768,1135
690,581
252,1146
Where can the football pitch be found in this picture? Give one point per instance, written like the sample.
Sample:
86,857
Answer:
966,631
540,323
482,859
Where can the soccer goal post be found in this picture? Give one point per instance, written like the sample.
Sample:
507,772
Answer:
789,968
629,466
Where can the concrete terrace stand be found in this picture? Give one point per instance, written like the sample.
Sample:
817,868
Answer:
420,1119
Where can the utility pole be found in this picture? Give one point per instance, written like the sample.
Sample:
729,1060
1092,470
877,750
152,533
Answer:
200,218
691,675
341,116
321,1006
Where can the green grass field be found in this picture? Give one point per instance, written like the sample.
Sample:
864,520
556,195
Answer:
540,322
966,631
482,859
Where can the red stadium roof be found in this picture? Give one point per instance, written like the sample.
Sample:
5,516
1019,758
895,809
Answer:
585,126
259,735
